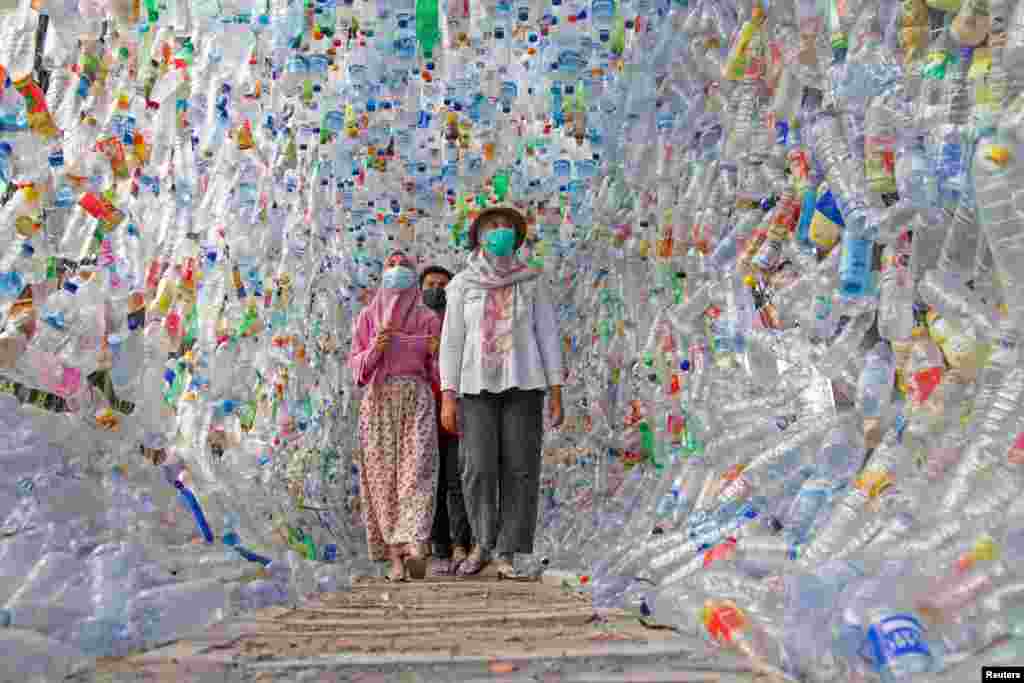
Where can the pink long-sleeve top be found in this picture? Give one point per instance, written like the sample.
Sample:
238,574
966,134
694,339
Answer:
408,354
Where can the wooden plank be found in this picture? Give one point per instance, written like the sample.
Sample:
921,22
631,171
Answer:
499,631
448,584
579,616
438,611
454,604
647,677
681,647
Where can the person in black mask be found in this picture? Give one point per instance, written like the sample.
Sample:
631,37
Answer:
451,534
433,280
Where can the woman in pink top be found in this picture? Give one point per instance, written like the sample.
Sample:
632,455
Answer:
394,355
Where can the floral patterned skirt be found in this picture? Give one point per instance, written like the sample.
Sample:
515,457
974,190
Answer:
398,473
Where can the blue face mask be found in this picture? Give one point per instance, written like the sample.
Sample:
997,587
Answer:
398,277
500,242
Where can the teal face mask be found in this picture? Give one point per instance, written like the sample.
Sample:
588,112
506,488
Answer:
500,242
398,278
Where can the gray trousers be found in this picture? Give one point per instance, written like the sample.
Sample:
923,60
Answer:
502,435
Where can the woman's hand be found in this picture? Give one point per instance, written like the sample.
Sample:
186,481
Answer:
449,414
382,339
435,344
555,414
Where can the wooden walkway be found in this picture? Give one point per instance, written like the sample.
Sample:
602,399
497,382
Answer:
433,630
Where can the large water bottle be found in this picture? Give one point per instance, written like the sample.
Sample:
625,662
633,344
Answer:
876,382
997,171
896,293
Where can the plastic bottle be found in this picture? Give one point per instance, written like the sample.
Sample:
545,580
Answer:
896,300
876,381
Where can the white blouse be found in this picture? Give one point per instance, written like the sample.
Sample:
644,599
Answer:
535,360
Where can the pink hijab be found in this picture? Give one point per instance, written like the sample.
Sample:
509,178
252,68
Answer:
409,320
500,278
393,308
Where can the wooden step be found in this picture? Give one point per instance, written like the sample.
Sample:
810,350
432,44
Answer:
436,624
488,617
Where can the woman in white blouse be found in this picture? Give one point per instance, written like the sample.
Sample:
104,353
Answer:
500,353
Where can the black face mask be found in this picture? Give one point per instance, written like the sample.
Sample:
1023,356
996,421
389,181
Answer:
435,299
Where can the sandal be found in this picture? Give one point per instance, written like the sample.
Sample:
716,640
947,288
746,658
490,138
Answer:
442,567
472,564
507,572
416,560
398,573
459,555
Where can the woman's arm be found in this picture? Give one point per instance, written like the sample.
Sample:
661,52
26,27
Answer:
453,341
365,355
433,356
549,340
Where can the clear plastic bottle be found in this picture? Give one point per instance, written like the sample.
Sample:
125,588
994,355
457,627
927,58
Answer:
896,296
949,295
880,131
876,383
996,170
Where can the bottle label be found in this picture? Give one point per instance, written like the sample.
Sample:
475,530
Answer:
827,222
701,236
823,307
985,550
787,214
951,161
676,425
737,489
923,383
721,551
880,163
800,166
1016,454
895,637
855,266
723,620
873,482
810,199
722,335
